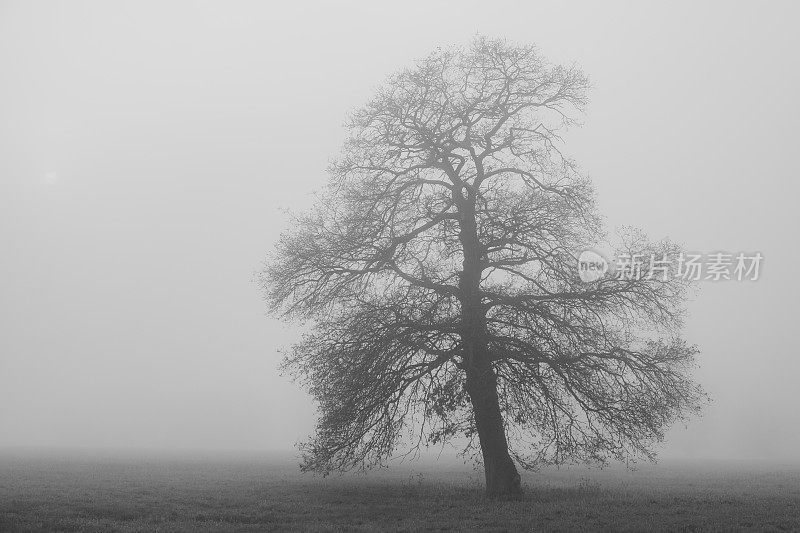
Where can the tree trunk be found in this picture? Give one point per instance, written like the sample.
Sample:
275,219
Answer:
502,478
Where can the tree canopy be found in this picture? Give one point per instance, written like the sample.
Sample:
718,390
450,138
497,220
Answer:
437,276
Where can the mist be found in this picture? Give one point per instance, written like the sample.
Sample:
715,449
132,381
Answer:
148,152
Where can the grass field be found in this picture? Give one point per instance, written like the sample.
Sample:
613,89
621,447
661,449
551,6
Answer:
105,493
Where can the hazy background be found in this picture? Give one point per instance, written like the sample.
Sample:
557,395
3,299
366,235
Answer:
147,148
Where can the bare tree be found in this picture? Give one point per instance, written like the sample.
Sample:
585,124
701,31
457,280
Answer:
438,278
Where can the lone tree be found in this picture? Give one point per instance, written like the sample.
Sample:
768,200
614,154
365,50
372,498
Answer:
438,279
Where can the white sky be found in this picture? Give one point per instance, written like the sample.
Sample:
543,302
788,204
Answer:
146,149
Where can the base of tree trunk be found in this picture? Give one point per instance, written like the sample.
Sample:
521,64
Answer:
502,480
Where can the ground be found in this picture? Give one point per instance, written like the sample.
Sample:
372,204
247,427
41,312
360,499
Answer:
111,493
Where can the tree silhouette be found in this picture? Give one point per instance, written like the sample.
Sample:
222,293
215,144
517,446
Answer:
437,276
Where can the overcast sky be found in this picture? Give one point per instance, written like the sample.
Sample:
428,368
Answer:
147,150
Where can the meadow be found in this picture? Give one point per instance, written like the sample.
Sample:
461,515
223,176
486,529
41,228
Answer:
104,492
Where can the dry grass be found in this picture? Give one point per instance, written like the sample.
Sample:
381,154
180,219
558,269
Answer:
152,494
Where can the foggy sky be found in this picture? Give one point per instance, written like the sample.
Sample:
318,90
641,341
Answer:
147,150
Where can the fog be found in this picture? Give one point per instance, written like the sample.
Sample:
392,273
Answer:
148,151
